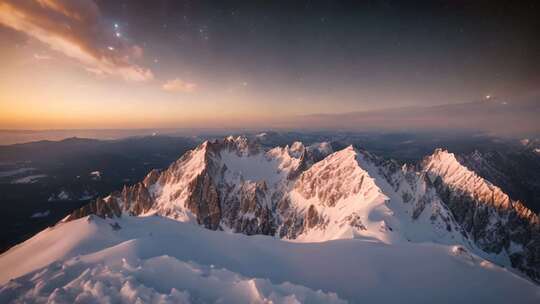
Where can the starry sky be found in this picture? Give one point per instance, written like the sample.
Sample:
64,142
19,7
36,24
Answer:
188,64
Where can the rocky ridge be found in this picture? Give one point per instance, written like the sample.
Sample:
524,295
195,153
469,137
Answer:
496,223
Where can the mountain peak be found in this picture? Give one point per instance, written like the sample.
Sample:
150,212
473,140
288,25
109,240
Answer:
443,155
345,153
444,165
241,145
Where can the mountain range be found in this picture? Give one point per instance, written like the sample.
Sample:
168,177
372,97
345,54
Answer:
305,194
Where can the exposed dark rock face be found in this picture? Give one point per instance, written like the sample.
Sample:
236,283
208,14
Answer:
312,217
355,221
292,222
134,200
245,209
137,199
100,207
203,200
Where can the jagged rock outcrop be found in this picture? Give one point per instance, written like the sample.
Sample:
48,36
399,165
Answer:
104,207
515,171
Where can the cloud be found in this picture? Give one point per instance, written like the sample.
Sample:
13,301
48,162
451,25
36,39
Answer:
40,57
75,28
517,116
178,85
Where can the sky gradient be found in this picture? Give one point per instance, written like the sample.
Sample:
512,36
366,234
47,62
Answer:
187,64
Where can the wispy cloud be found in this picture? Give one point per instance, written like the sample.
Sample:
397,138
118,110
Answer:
75,28
178,85
42,57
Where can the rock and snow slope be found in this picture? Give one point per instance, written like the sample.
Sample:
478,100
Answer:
158,260
496,223
317,200
352,194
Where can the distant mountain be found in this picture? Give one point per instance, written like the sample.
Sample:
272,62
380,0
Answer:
54,151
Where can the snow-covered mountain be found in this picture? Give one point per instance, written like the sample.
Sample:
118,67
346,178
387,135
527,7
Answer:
496,223
314,194
301,195
230,184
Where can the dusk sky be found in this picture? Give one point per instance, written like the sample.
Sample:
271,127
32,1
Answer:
150,64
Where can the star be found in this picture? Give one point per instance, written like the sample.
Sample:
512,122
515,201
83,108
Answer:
203,31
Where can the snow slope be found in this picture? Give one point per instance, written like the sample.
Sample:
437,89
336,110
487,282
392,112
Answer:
155,259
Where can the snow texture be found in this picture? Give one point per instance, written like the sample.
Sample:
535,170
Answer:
158,260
